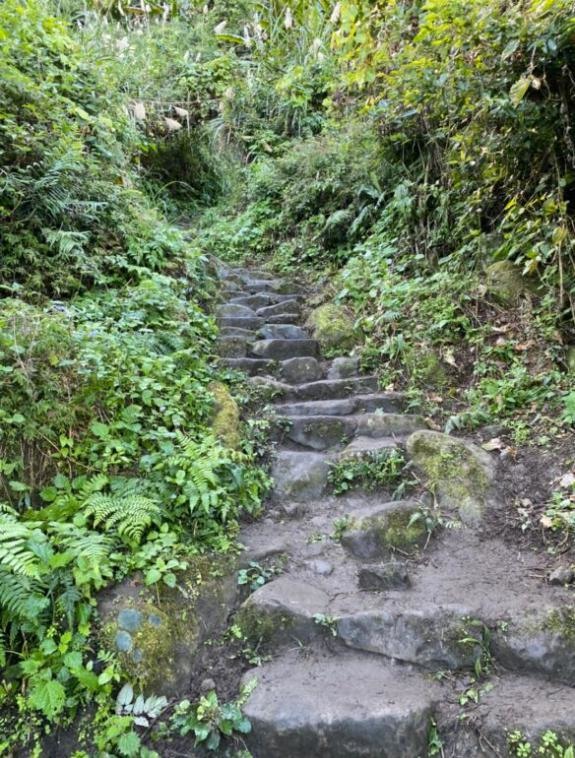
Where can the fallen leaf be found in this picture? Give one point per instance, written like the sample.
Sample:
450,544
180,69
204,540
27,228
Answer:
567,480
172,124
546,522
139,111
181,112
493,444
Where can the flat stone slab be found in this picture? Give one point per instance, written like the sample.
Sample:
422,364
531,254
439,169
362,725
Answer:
387,402
303,369
344,706
232,347
429,635
234,311
251,301
376,532
241,322
288,318
250,366
367,446
281,350
299,476
282,332
287,306
238,331
333,388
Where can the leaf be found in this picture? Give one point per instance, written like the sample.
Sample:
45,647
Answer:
48,697
567,480
518,90
125,695
153,575
493,444
129,744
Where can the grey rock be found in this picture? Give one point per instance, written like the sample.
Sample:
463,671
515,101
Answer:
388,424
234,311
290,606
251,301
282,332
237,331
262,285
295,510
368,446
232,347
462,473
318,432
323,568
241,322
297,370
428,635
343,706
387,576
377,531
289,318
299,476
562,575
288,306
329,389
250,366
124,642
207,685
387,402
280,350
130,619
343,368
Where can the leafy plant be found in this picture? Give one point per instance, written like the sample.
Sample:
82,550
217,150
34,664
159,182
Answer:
384,469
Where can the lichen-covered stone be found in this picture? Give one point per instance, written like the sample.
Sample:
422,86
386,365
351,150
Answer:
226,416
156,633
505,282
458,472
377,531
333,327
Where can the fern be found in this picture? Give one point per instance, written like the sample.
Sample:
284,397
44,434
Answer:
129,517
21,546
21,598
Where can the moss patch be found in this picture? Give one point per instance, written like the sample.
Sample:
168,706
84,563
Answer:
226,416
505,282
458,472
333,328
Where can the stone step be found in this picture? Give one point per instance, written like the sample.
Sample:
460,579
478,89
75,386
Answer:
338,706
330,389
280,350
254,286
262,299
282,332
299,476
388,402
365,447
250,366
232,347
323,432
237,331
240,322
300,369
289,318
229,310
278,309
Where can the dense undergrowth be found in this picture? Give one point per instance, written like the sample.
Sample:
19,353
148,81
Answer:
417,158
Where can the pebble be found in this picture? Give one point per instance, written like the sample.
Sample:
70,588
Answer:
323,568
562,575
207,685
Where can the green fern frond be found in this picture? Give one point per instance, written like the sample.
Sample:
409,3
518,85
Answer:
21,597
129,517
20,546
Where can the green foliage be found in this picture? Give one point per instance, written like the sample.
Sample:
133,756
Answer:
210,720
256,575
384,469
549,745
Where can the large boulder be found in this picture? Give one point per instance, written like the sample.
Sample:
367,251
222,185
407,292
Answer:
459,473
156,632
377,531
333,327
226,416
505,282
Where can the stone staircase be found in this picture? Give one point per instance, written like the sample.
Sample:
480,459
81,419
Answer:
381,635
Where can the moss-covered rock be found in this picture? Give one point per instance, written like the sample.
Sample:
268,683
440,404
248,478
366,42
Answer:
425,367
505,282
458,472
376,532
333,327
226,416
156,632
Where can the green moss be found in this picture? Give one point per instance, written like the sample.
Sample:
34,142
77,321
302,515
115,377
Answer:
257,627
505,282
333,327
226,416
562,622
457,472
399,530
425,367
